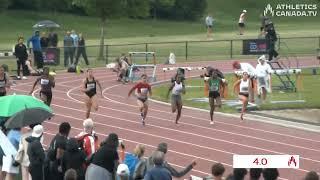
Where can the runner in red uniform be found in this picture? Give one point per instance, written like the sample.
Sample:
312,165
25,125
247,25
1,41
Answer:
142,89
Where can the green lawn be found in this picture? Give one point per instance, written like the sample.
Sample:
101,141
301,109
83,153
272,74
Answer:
308,92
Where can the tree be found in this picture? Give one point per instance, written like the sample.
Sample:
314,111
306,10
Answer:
102,9
4,5
137,8
161,7
188,9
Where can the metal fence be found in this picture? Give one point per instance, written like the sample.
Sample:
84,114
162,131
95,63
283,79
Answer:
189,50
212,50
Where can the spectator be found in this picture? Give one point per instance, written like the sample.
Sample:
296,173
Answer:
4,85
123,172
53,39
312,175
271,39
163,147
209,24
56,151
105,160
74,158
238,174
242,21
20,51
70,174
14,136
44,41
255,173
270,174
68,49
136,162
82,50
159,171
75,38
88,139
36,47
36,153
22,157
217,171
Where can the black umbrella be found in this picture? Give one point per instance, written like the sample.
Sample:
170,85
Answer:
46,24
27,117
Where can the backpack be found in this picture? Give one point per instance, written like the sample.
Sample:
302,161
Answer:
131,161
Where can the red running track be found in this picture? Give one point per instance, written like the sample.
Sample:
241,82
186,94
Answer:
192,139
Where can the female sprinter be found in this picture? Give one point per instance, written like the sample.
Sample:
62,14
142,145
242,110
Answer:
47,83
245,90
143,88
89,87
214,84
4,82
177,88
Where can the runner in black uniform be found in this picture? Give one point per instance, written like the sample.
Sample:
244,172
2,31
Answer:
4,82
47,83
89,87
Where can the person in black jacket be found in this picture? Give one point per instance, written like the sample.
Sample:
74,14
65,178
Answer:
20,51
81,50
74,158
36,153
271,38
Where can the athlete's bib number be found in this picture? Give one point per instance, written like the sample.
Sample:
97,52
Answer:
2,84
90,86
244,89
214,88
44,81
144,90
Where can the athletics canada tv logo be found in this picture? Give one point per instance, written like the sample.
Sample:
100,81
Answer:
291,10
268,10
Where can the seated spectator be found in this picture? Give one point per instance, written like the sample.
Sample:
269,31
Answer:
136,163
270,174
123,172
159,171
105,160
70,174
312,175
238,174
74,158
255,173
88,139
163,147
36,153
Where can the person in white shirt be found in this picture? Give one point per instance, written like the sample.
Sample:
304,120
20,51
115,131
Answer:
209,24
244,87
242,21
250,70
263,71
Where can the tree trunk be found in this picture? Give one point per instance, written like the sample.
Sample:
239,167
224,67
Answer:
101,49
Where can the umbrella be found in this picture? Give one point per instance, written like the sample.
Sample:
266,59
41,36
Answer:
46,24
27,117
12,104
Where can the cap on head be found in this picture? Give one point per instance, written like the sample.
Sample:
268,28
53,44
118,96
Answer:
37,131
244,11
262,58
123,170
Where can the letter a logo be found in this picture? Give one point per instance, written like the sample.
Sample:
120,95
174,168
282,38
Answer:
268,10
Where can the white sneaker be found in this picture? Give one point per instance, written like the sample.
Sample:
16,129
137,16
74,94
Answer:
25,78
211,122
18,77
